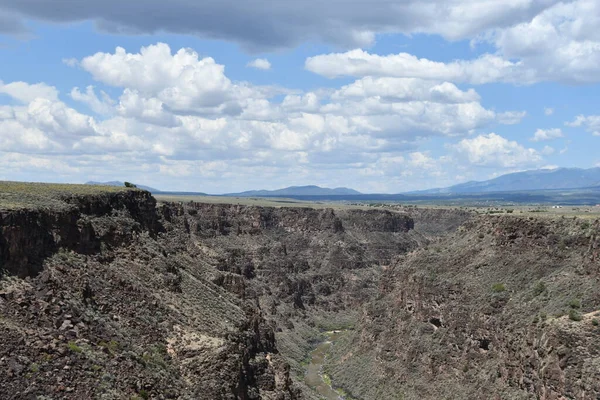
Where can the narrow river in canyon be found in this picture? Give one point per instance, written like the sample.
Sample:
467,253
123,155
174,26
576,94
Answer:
314,377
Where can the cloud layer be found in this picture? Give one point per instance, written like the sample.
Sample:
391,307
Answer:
262,24
179,115
168,114
560,43
528,40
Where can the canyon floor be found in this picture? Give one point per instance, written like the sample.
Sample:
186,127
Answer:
107,293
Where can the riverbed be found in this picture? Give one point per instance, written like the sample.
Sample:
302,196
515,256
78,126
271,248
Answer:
314,377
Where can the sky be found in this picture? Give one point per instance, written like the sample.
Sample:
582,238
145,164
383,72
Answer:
222,96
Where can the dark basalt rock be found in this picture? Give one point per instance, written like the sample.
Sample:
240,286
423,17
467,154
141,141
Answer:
97,300
27,237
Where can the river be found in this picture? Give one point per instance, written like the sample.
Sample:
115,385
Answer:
314,377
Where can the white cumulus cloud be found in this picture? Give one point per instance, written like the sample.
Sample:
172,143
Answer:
176,114
260,63
591,123
100,106
25,92
182,81
542,135
360,63
493,150
406,89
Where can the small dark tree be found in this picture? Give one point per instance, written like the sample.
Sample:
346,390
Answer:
130,185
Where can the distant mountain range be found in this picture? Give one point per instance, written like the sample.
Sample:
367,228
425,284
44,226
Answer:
542,185
117,183
298,191
539,179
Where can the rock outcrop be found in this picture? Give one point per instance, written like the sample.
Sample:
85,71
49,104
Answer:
28,236
505,308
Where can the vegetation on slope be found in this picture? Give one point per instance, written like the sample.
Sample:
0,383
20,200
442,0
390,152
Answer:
19,195
504,305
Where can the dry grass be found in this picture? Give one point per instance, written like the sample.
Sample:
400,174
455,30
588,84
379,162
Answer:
545,211
26,195
256,201
585,212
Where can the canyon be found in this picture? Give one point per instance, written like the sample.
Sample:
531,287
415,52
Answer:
109,294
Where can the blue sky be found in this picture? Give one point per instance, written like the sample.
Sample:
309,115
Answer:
223,97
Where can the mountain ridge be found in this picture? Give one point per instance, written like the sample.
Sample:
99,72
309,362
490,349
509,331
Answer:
540,179
308,190
523,181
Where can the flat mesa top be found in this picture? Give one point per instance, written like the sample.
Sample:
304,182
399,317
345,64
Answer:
26,195
257,201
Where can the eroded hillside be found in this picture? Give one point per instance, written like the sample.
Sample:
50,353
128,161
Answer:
106,294
99,300
504,308
307,270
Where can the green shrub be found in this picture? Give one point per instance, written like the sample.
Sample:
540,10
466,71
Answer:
539,288
74,348
575,315
130,185
575,303
562,245
585,225
499,287
155,357
112,346
595,322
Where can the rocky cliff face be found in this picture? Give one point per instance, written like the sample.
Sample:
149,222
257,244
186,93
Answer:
307,269
28,236
505,308
111,296
108,296
302,256
98,300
